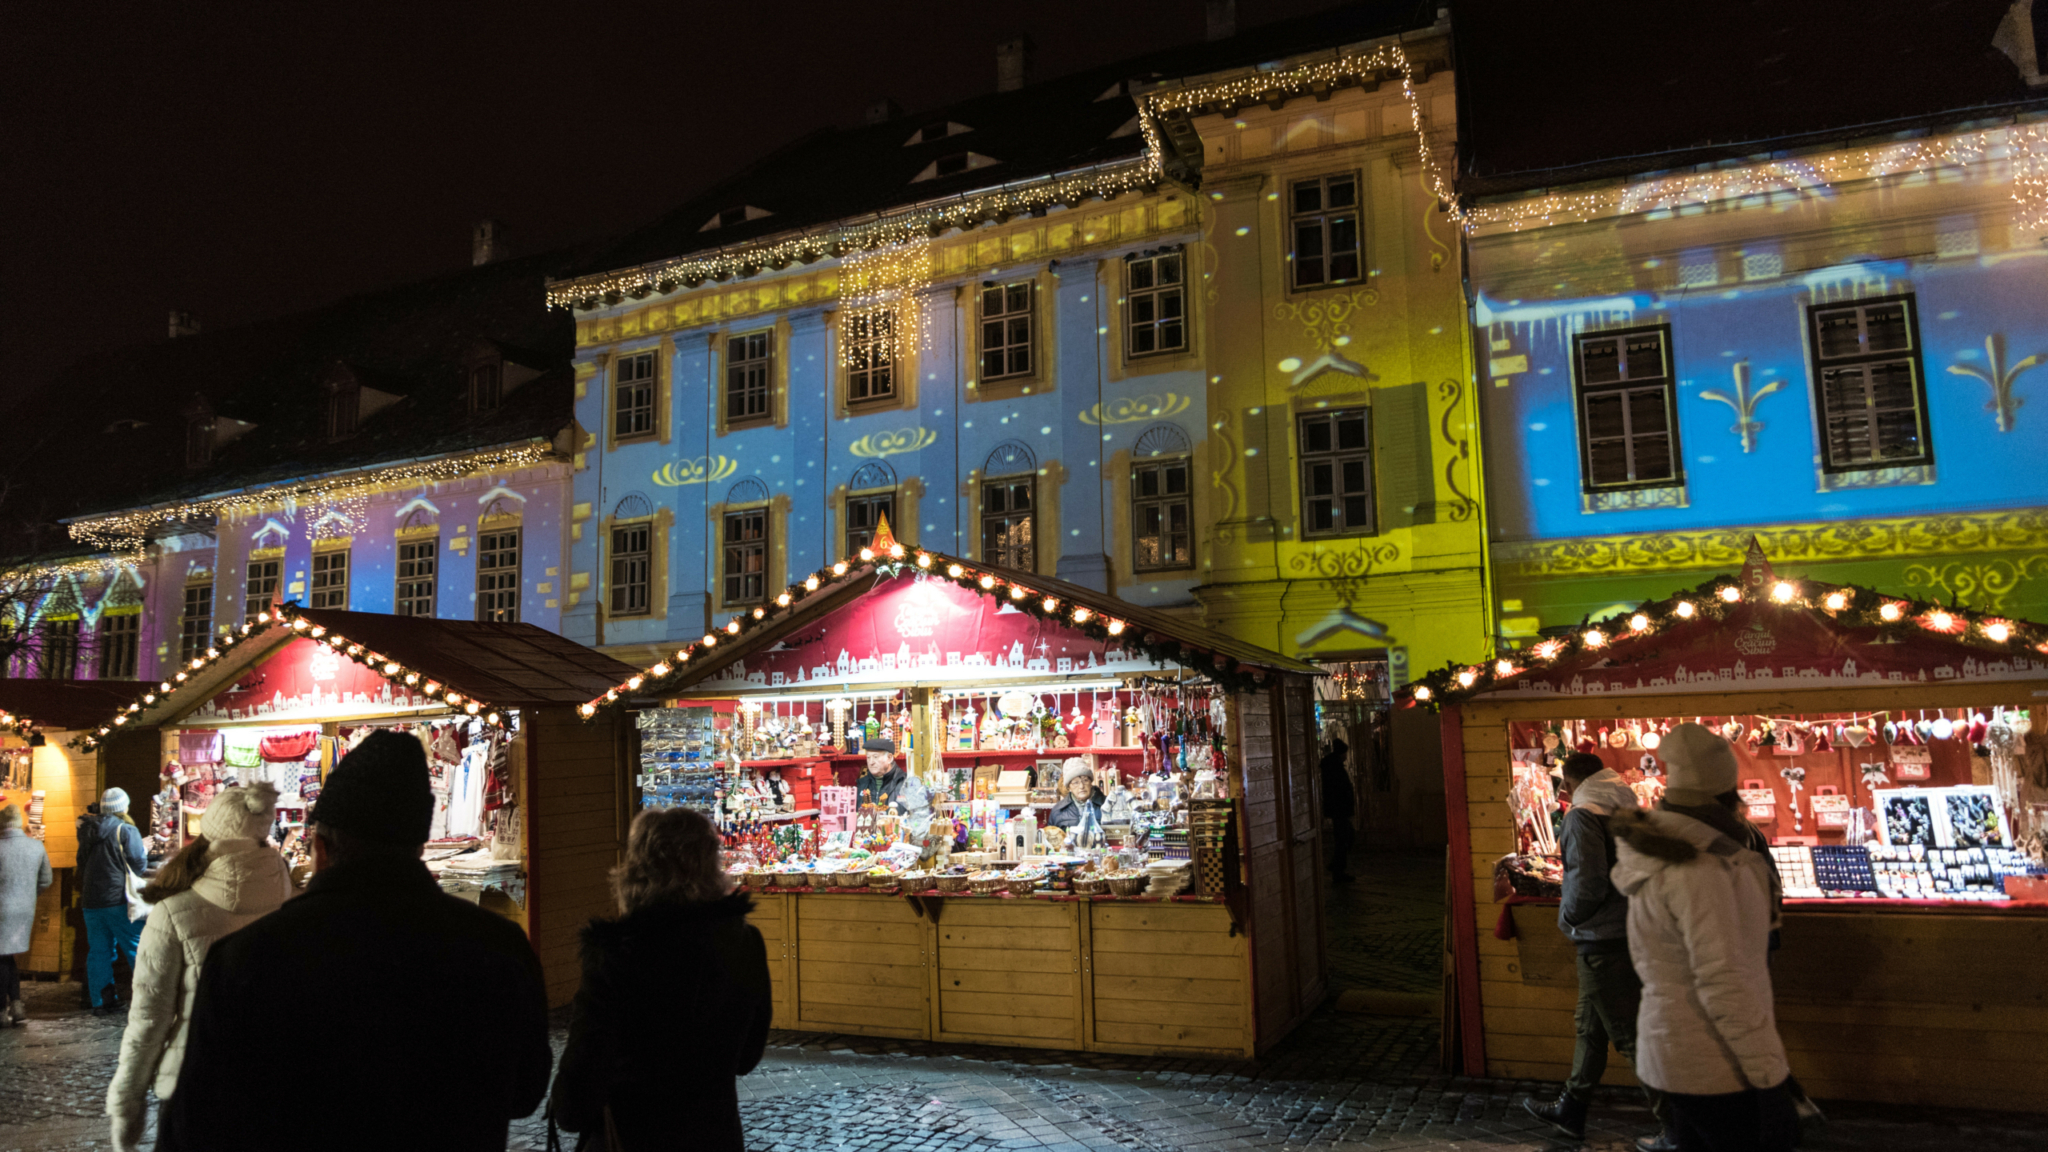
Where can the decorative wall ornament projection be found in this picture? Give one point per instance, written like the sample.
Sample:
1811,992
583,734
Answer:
2003,402
1983,585
697,470
879,444
2023,530
1136,409
1743,404
1326,319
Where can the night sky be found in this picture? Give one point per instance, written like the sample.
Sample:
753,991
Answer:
240,161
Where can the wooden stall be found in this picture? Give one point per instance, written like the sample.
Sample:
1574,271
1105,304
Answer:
532,812
53,783
1222,972
1908,974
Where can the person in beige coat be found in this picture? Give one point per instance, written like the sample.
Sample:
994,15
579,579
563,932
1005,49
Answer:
223,880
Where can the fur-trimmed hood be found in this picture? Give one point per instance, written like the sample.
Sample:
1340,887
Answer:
656,919
1655,840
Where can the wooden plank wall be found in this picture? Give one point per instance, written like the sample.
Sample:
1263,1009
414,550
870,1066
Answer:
862,966
1305,803
575,832
1009,972
1167,977
1268,877
771,916
1943,1009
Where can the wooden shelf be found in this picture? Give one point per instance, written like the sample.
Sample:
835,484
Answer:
1049,753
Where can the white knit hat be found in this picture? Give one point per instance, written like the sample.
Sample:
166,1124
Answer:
1073,770
1702,765
113,802
240,813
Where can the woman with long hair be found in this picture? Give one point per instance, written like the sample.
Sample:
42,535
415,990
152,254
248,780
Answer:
225,878
674,1004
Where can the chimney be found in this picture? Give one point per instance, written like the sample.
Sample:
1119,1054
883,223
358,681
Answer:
1222,20
487,242
1013,64
881,112
183,324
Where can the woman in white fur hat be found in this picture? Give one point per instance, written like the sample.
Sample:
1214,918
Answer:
225,878
1082,803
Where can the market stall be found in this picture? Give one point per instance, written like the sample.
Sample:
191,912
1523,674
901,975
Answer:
53,783
986,806
530,802
1893,751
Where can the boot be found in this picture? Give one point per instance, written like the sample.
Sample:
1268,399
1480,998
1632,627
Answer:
17,1012
1661,1142
1565,1114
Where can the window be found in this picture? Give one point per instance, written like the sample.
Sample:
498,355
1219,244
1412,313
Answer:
60,649
118,636
484,390
1006,330
1162,515
632,569
1336,472
343,403
746,556
330,579
260,589
1155,301
198,441
1867,384
863,515
1627,438
746,376
1008,518
417,567
497,576
870,355
633,391
195,623
1324,219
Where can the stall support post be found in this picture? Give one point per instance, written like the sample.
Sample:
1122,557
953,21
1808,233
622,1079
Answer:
1464,909
926,755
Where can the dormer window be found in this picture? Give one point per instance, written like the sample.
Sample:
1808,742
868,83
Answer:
738,214
344,401
484,386
953,165
198,439
938,131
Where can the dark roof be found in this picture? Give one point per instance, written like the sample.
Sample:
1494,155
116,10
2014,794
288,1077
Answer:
68,705
1574,90
509,665
110,431
1052,126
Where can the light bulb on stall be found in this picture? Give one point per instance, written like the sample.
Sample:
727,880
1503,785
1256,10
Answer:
1683,609
588,710
1783,591
1639,623
955,571
1467,678
1998,632
867,554
1890,611
1731,593
988,583
1422,692
810,583
782,601
633,682
1503,668
839,569
1836,601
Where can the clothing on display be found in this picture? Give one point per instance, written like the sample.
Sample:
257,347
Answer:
289,747
199,747
241,747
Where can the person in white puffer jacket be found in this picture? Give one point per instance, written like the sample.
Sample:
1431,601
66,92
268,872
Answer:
221,881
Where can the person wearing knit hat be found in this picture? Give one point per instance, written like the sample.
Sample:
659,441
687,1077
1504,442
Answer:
1699,924
1080,800
381,967
222,881
110,849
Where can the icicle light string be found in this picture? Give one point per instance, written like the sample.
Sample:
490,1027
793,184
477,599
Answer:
414,681
333,503
1846,604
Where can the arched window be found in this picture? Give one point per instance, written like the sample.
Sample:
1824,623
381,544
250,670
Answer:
748,491
633,506
1010,458
1162,440
871,498
1009,507
872,476
1162,501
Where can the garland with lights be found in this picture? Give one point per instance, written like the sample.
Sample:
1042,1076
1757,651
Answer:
345,495
888,558
14,725
287,616
1844,604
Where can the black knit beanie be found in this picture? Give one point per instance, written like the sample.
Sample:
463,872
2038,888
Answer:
379,791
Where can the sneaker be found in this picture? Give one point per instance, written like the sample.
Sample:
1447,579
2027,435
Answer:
17,1012
1661,1142
1565,1114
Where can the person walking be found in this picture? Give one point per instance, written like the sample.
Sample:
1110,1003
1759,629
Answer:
1340,804
1699,923
1593,915
224,879
645,1072
109,851
24,873
414,1019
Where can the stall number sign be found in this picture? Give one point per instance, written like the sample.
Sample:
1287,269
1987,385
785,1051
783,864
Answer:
1912,763
837,807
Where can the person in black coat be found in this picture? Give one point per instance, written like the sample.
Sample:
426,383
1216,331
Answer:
1340,803
374,1010
675,1000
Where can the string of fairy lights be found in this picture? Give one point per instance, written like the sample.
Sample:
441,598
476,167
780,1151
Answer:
332,504
890,558
2023,148
883,290
1845,604
416,682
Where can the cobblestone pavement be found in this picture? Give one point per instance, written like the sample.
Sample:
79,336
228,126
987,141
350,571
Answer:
1345,1080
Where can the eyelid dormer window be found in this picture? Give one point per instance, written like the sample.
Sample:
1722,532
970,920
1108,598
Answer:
737,214
954,164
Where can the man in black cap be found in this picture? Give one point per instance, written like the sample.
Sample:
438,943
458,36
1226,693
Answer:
887,786
373,1010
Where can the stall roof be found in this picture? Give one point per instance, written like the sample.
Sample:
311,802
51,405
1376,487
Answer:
67,705
491,665
1160,635
1757,632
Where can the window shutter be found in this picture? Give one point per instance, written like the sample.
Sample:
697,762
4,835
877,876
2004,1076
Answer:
1402,456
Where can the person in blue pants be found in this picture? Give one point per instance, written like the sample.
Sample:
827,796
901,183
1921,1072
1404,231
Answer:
109,848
